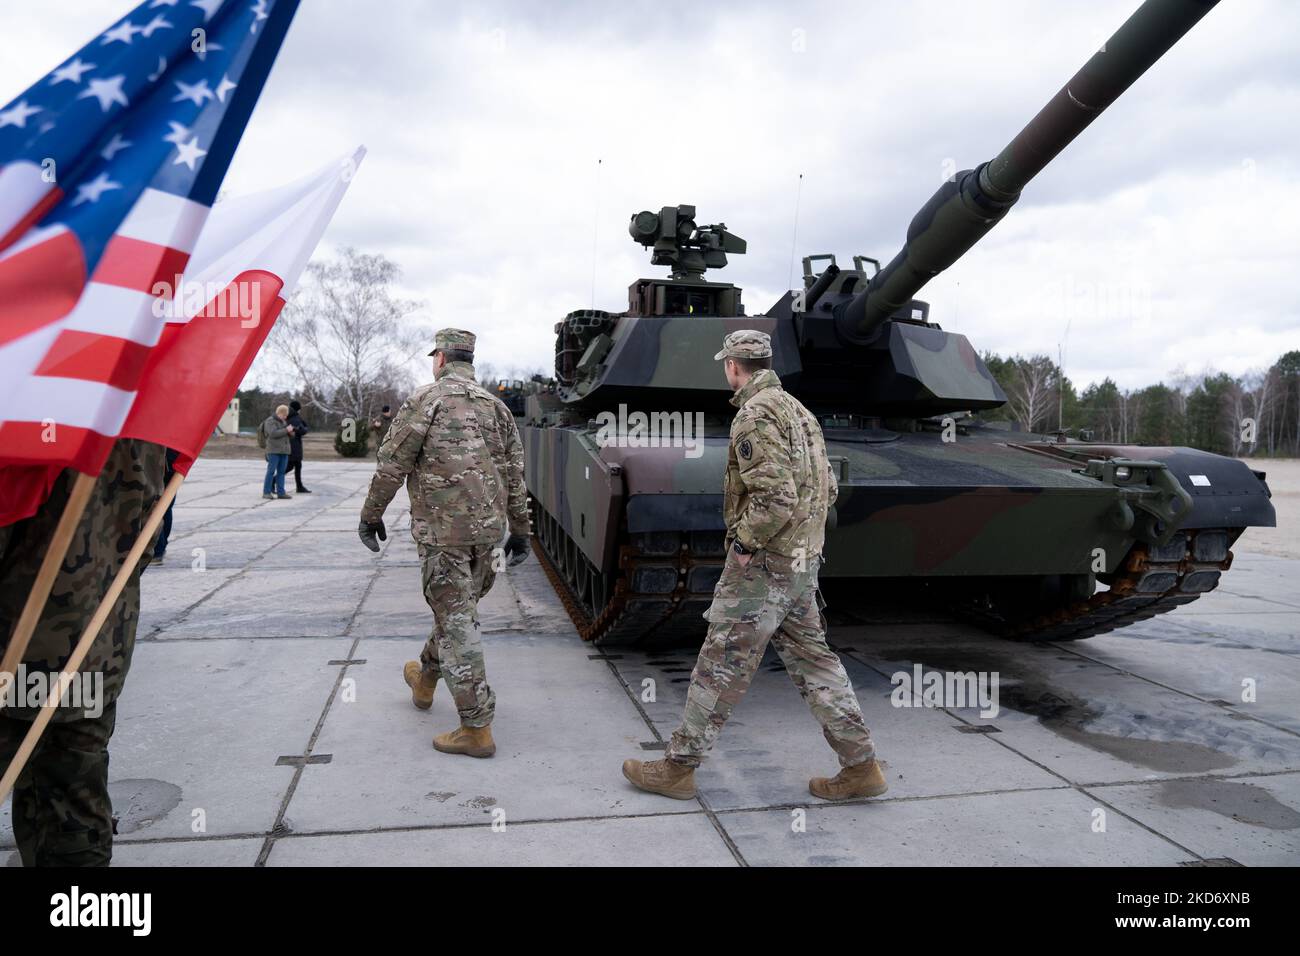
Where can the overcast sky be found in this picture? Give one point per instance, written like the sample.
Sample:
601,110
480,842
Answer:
1166,236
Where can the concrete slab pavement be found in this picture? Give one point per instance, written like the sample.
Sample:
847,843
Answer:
265,702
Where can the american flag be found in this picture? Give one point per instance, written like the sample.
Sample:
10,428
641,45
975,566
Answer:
108,168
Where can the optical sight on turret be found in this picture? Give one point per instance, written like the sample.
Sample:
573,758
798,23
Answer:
677,242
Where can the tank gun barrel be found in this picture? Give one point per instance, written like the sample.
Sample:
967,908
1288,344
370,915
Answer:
972,202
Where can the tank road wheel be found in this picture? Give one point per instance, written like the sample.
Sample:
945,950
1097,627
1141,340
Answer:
600,590
552,539
548,529
571,560
582,578
562,552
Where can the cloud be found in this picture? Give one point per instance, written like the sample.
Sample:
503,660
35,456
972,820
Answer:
1165,235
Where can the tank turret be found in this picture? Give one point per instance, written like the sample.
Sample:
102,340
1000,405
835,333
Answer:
625,458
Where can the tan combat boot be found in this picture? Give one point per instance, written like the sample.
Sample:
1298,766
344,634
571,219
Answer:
864,780
421,687
471,741
663,777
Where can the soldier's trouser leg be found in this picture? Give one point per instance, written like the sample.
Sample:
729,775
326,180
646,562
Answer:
749,604
768,600
454,580
62,815
819,674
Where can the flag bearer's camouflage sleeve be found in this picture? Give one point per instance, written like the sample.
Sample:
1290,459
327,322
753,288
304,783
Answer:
767,473
833,488
397,454
517,501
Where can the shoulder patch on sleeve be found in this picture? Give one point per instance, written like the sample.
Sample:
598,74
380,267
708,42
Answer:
745,449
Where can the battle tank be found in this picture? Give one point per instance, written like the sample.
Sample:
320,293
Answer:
1036,537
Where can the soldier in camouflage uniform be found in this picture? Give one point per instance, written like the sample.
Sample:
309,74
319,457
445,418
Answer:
379,428
457,448
62,815
778,489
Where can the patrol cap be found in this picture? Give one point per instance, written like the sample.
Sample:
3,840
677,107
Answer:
746,344
457,339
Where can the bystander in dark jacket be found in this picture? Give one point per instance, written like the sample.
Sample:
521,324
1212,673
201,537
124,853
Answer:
295,445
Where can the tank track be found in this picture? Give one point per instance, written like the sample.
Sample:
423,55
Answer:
1150,581
664,583
662,586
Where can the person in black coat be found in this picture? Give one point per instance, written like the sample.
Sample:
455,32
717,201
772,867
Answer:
160,546
295,444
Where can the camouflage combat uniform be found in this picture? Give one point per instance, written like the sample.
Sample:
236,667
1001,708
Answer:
457,448
778,489
62,815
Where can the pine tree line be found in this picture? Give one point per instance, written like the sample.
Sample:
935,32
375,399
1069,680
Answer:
1256,414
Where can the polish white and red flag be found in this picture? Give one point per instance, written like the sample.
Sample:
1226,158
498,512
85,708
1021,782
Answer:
242,271
108,168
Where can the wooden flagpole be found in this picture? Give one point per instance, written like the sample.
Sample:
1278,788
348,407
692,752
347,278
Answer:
49,570
88,635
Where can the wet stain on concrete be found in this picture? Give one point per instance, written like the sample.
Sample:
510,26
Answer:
1065,714
141,803
442,796
480,803
1068,716
1243,802
1170,756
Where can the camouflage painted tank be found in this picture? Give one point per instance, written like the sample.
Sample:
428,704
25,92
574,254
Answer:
1038,537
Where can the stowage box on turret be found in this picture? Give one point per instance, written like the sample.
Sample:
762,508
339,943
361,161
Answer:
1038,537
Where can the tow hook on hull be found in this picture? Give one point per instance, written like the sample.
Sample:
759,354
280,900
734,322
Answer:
1151,501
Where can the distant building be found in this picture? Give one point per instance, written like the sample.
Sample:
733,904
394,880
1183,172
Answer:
229,423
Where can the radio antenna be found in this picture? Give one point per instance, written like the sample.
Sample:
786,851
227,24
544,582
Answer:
595,232
794,239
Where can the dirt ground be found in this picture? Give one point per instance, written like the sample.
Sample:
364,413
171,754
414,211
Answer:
317,446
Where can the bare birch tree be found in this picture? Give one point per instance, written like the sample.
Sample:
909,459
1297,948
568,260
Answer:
1032,386
345,334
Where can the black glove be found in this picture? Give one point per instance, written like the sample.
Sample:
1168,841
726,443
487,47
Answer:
516,549
367,533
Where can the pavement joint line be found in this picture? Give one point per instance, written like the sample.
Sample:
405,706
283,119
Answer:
1190,614
1176,690
1065,646
699,797
1093,784
1253,597
405,828
529,621
180,618
1001,742
1132,819
294,760
153,638
1188,625
277,829
535,821
1191,778
199,638
1009,791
